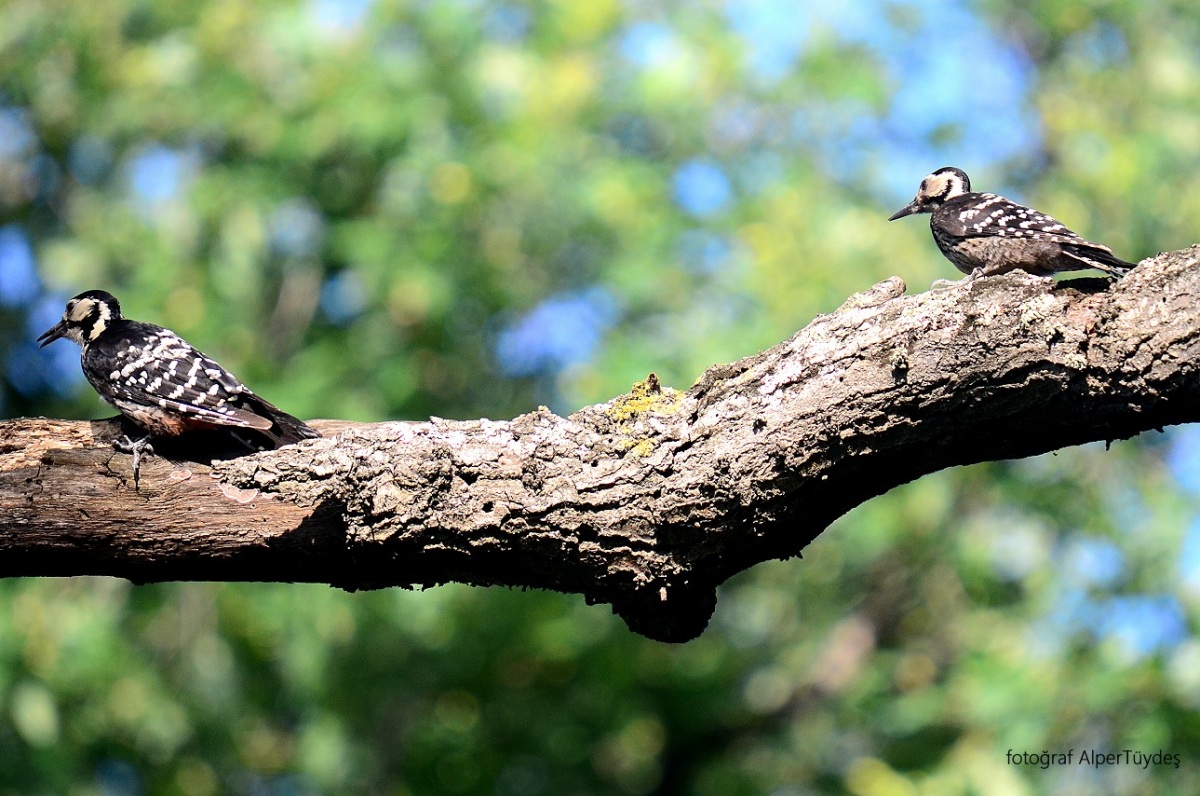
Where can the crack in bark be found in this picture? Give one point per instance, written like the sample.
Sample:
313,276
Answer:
651,500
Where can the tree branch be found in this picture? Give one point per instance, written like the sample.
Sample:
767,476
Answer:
651,500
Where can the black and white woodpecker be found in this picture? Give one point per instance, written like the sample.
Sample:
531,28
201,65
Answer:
984,234
165,386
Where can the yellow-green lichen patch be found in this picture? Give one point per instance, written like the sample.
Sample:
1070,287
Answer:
630,413
646,396
642,449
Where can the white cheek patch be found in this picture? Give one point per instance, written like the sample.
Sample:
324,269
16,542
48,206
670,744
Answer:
103,316
942,186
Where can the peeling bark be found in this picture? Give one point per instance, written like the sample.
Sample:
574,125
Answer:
648,501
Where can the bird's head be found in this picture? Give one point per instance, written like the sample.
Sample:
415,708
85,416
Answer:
944,184
85,318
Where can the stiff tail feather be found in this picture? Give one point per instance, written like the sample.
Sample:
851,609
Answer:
284,430
1100,260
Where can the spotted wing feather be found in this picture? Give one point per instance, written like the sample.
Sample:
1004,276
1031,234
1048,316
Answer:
153,366
986,214
989,215
146,370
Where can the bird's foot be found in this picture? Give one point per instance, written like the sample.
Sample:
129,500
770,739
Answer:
138,448
946,284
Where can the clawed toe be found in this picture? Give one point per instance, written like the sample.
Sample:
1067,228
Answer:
138,448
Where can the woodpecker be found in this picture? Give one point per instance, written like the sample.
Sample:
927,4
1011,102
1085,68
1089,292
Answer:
164,385
984,234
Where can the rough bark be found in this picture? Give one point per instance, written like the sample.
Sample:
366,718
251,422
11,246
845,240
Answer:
651,500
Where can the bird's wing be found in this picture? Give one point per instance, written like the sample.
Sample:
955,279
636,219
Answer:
990,215
156,367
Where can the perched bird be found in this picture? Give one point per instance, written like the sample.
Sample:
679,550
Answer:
163,384
983,234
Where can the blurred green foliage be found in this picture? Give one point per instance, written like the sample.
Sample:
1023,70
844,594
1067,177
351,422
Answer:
396,209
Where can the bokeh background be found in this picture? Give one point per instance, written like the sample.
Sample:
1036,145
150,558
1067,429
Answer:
382,209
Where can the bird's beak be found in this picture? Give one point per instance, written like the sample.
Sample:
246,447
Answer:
50,335
907,210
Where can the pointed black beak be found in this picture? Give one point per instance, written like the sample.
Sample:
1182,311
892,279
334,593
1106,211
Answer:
50,335
907,210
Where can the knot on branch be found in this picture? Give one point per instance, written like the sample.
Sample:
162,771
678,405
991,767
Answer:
676,612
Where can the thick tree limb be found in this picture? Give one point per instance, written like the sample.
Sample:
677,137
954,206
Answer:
649,501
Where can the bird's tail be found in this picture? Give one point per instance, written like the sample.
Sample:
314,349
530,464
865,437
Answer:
1100,259
284,430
